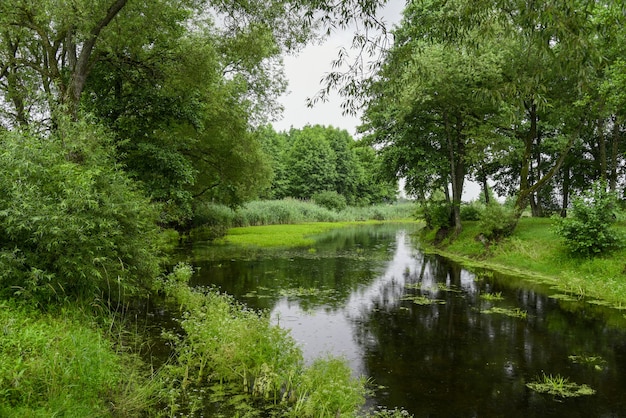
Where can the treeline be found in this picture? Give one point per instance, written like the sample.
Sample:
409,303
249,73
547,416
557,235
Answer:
525,97
327,165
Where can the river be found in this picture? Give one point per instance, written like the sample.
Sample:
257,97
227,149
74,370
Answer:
435,339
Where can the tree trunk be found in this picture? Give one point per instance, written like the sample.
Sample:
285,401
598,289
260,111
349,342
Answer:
566,187
483,180
614,155
82,62
602,149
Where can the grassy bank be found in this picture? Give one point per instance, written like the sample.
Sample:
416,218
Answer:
65,363
299,235
212,221
535,250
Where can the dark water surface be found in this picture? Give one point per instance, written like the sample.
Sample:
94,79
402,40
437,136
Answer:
420,327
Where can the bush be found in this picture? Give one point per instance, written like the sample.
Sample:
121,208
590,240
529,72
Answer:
437,214
589,229
472,211
211,221
71,223
496,222
330,200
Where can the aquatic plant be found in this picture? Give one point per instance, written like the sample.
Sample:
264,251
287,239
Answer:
597,362
515,313
423,300
559,386
492,296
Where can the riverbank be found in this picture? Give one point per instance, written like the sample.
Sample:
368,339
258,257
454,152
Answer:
294,235
535,251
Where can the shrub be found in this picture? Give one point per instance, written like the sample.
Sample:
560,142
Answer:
437,214
472,211
330,200
589,229
71,223
496,222
211,220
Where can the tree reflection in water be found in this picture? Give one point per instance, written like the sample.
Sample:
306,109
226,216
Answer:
442,359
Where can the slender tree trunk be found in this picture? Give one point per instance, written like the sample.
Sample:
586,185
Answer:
602,149
566,187
526,189
483,180
457,170
614,155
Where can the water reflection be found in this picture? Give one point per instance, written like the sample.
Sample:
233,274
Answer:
420,327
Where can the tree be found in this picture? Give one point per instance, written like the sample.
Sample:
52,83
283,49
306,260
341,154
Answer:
436,96
310,163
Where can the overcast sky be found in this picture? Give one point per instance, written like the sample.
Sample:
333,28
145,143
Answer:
305,72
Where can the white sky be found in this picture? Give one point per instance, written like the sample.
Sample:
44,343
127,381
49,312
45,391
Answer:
305,72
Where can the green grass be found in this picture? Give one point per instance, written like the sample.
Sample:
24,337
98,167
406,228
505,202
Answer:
536,252
297,235
61,364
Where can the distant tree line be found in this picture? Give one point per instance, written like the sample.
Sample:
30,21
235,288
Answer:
315,160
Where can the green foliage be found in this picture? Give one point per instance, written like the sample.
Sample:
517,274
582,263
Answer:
437,214
60,365
237,353
311,166
71,223
330,200
472,211
588,231
327,389
497,221
559,386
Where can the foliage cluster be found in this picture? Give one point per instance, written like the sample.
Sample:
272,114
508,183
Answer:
504,93
72,224
236,352
330,199
59,364
588,230
496,221
326,165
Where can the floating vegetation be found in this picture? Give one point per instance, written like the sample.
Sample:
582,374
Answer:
445,288
492,296
565,297
423,300
515,313
597,362
300,292
438,287
559,386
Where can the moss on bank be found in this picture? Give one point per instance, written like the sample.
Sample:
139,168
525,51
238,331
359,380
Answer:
536,252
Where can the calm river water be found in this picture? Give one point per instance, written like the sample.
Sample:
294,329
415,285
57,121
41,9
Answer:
426,331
